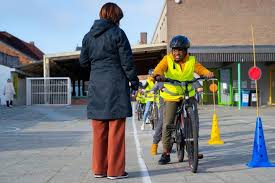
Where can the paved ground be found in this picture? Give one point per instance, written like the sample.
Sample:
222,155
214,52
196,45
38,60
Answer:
52,145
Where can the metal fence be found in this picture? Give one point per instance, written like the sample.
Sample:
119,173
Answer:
52,91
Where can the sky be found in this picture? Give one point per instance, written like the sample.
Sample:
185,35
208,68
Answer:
59,25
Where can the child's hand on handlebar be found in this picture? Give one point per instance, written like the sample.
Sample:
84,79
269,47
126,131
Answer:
160,78
210,75
199,90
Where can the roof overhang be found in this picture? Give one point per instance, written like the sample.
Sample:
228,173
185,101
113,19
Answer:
235,53
146,56
233,49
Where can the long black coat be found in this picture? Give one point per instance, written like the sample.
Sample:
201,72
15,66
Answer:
106,50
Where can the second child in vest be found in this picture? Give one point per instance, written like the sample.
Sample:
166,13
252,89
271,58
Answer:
149,98
178,65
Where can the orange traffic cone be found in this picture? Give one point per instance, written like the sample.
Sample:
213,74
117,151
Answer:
215,132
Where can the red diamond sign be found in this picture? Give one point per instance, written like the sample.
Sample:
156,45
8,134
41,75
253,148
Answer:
255,73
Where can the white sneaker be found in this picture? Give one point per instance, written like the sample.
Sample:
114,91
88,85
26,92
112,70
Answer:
147,121
142,126
99,175
125,175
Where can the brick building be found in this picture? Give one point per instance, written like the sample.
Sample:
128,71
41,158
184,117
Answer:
14,51
221,39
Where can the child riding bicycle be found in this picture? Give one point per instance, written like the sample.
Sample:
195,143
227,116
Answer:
158,129
149,97
178,65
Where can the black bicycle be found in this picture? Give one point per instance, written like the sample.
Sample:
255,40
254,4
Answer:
186,124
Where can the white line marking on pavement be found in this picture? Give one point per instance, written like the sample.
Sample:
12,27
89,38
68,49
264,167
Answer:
144,171
13,129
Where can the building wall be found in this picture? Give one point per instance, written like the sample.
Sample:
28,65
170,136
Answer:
12,52
222,22
160,34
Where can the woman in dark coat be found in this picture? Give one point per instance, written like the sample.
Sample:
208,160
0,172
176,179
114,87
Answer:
107,52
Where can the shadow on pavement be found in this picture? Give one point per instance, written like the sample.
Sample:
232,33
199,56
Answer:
40,140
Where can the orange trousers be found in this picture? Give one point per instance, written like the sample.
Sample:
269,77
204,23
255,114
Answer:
108,156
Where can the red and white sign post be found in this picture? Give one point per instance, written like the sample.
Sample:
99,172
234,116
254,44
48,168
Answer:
259,153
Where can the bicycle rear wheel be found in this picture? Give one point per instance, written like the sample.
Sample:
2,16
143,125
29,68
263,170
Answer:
191,139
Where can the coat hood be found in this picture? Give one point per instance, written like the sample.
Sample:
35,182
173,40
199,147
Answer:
100,26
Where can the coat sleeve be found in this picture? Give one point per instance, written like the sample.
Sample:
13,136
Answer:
84,54
200,69
126,57
162,67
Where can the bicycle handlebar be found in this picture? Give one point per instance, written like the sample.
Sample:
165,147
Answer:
182,83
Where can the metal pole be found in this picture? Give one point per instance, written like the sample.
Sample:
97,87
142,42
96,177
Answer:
254,59
239,85
214,101
46,66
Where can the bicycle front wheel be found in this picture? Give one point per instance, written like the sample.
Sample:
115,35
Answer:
191,139
180,137
139,111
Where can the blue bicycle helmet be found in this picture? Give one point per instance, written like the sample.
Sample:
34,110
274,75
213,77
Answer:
180,42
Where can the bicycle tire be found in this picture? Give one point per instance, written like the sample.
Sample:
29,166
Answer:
191,139
139,110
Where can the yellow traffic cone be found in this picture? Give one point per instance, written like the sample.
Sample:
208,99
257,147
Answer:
215,132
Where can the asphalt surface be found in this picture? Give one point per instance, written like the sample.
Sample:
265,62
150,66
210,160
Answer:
45,144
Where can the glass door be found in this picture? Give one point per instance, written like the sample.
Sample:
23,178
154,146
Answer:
225,87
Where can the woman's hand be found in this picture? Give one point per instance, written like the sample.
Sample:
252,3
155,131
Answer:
135,85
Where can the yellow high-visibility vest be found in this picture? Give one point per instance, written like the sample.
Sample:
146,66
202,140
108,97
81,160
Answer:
140,97
174,71
148,95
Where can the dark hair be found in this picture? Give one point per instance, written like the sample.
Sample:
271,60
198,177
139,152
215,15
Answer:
112,12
